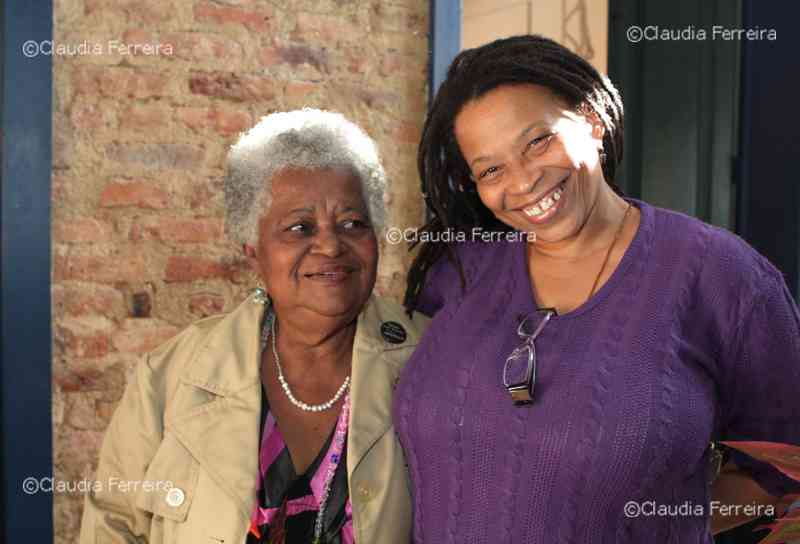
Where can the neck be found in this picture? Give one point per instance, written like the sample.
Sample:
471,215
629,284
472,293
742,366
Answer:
306,344
596,232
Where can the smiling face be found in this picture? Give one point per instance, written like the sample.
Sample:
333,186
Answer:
317,252
534,160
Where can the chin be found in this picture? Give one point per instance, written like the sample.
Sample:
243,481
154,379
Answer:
336,308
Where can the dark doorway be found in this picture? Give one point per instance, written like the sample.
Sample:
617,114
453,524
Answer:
711,123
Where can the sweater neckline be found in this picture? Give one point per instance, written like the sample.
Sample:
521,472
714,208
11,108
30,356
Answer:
634,251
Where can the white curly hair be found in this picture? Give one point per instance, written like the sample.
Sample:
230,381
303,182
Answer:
307,138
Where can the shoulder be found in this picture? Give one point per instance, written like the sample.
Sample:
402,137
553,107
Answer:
477,259
168,362
719,250
169,355
731,274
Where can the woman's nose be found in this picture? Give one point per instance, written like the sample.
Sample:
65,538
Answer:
524,177
328,242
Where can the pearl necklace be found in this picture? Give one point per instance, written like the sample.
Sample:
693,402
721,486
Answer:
286,389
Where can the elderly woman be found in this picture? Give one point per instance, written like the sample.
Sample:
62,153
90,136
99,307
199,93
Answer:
580,362
272,423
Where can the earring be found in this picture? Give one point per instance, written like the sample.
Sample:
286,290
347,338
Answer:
260,295
603,156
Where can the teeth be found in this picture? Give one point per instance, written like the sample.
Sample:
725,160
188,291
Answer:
545,204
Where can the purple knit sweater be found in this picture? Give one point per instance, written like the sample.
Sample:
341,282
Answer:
694,337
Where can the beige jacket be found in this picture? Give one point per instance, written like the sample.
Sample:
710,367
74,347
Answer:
190,419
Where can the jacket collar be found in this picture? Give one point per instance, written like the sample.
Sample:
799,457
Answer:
222,366
228,361
227,365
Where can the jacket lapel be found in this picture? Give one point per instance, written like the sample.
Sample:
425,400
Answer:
218,409
376,367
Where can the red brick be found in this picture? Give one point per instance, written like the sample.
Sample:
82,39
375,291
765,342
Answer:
405,131
224,121
178,229
146,117
296,55
256,20
157,156
139,194
199,47
138,36
300,89
205,304
182,268
228,123
80,299
232,86
128,10
117,82
84,337
82,230
90,376
87,347
100,268
329,28
142,335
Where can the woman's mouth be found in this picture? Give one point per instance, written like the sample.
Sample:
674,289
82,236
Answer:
547,206
331,275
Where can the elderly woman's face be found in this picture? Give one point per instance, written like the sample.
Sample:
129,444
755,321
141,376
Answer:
317,251
534,161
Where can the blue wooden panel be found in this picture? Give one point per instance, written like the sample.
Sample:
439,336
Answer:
25,410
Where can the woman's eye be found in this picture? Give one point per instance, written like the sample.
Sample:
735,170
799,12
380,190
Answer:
489,173
355,224
539,144
299,228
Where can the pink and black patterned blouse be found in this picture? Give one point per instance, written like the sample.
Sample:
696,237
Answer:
287,503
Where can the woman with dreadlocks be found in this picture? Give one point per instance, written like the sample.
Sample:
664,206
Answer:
581,364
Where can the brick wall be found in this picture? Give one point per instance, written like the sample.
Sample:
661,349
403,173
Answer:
139,145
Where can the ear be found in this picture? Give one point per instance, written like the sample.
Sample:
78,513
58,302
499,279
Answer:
598,128
595,124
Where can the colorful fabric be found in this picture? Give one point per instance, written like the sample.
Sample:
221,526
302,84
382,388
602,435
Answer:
287,504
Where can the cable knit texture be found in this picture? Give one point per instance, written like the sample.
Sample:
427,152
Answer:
694,337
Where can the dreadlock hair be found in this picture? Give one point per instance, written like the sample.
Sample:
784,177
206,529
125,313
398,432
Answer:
451,197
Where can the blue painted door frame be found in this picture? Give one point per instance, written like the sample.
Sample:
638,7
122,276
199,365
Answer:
25,376
445,39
